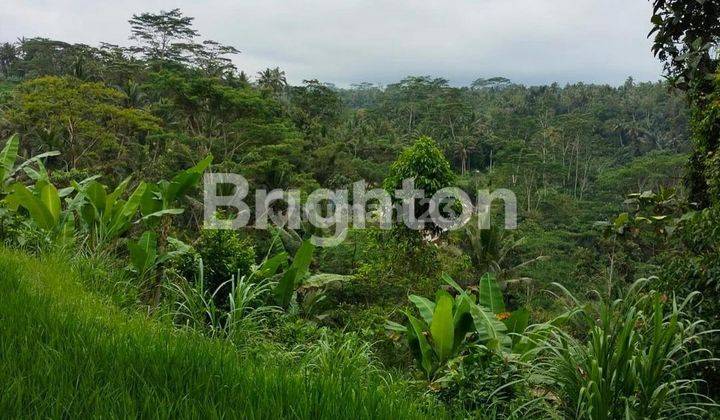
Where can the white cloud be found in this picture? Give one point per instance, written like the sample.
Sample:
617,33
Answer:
381,41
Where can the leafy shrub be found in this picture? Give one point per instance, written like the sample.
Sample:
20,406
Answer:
484,384
224,255
397,262
16,231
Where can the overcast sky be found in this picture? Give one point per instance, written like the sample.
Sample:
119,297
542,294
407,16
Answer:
381,41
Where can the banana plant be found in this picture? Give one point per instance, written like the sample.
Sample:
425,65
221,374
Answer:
292,278
487,313
440,332
105,215
145,256
489,294
8,159
44,206
490,297
8,156
484,315
161,199
159,202
296,278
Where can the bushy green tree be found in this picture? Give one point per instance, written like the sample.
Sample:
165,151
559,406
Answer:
686,38
85,121
426,165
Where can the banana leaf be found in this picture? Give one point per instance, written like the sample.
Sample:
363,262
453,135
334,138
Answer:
490,295
442,328
8,156
491,331
425,306
419,345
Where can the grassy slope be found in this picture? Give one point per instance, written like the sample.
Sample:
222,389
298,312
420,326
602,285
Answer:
65,353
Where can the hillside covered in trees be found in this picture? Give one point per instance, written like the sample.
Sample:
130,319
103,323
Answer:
601,304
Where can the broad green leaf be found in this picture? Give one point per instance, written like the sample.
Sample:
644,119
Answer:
490,330
462,319
178,248
425,306
183,181
490,294
41,174
518,321
11,202
302,259
64,192
118,192
34,159
394,326
32,173
442,328
419,345
161,213
51,199
516,324
151,202
38,211
124,215
8,155
96,194
294,275
113,201
143,253
452,283
88,214
271,265
324,279
285,288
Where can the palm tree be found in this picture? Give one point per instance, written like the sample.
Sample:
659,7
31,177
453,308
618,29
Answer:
133,94
272,79
462,147
634,133
490,247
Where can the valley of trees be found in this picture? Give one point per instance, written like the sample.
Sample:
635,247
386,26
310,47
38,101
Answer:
602,304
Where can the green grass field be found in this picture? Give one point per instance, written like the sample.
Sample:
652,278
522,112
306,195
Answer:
66,353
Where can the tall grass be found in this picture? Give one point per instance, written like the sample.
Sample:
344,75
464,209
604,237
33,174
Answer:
66,354
245,296
637,361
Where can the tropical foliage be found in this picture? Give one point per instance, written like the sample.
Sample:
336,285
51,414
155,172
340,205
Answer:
104,257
